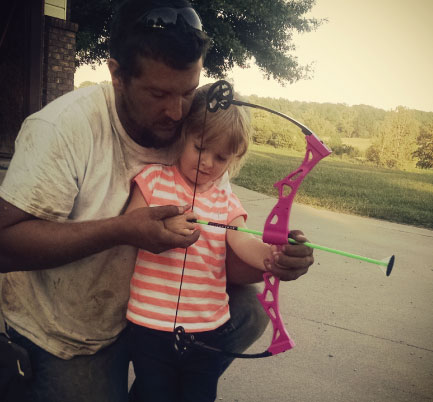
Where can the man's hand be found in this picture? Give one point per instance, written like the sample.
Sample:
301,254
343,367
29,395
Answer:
28,243
158,229
290,261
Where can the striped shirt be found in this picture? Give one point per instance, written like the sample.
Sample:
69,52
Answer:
156,281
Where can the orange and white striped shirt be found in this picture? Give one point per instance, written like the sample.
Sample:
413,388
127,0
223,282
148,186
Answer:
155,284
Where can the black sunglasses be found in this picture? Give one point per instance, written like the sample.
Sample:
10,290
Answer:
165,17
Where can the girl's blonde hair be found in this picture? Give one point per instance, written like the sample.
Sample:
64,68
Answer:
233,123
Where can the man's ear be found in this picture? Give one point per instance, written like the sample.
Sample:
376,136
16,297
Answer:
116,78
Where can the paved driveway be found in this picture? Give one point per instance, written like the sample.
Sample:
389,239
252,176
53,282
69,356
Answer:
360,336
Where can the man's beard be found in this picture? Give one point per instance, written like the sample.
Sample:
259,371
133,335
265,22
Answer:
148,139
142,135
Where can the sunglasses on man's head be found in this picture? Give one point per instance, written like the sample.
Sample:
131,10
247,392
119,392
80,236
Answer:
165,17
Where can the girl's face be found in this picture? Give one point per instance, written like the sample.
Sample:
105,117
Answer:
214,161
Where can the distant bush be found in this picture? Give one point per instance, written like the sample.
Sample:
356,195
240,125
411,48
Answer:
343,149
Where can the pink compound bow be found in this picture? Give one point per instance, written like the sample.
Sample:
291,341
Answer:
276,230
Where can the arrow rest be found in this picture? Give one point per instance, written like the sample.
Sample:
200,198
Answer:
219,95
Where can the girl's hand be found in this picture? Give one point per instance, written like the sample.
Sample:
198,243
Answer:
180,224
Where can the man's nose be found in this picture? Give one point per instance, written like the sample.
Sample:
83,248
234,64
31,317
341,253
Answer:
174,108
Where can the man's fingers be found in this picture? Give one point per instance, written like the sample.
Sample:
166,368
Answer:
174,240
300,257
184,208
189,216
291,261
287,275
168,211
298,236
288,254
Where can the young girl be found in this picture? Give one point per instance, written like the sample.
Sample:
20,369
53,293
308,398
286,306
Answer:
155,307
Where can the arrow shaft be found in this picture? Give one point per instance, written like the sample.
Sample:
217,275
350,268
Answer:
308,244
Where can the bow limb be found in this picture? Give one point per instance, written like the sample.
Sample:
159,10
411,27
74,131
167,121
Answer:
276,228
269,299
276,232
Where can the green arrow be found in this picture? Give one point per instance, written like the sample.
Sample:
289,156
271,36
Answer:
388,262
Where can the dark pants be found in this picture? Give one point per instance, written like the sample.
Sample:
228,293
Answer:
164,375
103,377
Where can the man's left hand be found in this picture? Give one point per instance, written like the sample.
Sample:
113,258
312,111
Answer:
291,261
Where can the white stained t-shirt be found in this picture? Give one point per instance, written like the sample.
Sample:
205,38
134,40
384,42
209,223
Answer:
74,162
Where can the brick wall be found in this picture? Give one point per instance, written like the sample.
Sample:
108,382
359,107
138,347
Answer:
14,65
59,58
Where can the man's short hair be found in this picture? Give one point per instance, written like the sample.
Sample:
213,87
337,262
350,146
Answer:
177,45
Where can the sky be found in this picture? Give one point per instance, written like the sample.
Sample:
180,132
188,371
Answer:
372,52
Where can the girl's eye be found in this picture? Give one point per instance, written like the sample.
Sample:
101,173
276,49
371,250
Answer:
197,148
222,158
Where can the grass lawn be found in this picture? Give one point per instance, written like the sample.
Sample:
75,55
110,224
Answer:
393,195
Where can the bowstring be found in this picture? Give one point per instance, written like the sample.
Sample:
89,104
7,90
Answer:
192,209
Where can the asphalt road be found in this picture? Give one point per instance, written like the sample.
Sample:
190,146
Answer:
360,336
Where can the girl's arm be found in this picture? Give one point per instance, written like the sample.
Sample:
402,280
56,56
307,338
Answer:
137,200
247,247
248,255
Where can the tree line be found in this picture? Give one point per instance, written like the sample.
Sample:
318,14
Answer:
400,138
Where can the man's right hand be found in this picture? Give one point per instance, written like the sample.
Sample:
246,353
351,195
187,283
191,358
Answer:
145,228
28,243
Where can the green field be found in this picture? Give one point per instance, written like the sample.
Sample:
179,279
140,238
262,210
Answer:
392,195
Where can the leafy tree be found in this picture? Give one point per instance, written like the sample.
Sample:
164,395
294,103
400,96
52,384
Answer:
261,127
365,120
274,130
345,123
317,122
395,141
424,153
241,30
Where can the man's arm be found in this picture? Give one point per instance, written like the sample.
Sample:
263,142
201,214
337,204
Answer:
239,272
28,243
